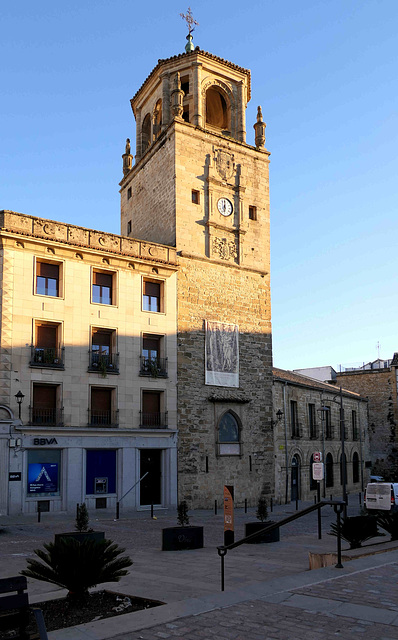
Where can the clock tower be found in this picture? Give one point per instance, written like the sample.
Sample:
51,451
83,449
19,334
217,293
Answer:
197,185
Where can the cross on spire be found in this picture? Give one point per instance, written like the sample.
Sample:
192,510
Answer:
189,19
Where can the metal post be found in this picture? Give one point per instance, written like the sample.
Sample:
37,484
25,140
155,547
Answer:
272,504
314,499
319,511
222,553
245,505
117,510
360,499
343,458
296,503
152,510
77,509
338,509
38,512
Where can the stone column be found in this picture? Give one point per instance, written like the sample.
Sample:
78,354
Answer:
197,95
241,115
138,138
166,118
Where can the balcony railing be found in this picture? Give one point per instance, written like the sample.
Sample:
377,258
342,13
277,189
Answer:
47,357
329,432
48,417
154,367
313,432
103,363
296,431
100,418
153,420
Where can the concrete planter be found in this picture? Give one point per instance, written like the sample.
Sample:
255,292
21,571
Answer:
253,527
81,536
181,538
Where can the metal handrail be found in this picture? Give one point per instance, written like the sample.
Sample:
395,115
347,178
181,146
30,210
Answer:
338,507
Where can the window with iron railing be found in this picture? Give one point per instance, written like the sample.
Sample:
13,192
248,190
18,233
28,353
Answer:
102,412
103,358
295,427
46,350
45,409
151,414
312,422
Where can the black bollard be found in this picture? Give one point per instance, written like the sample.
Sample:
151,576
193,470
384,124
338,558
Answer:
360,498
296,503
245,505
215,507
272,504
152,510
117,510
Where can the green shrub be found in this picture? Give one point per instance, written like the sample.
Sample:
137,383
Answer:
356,530
182,514
262,509
389,522
82,518
78,566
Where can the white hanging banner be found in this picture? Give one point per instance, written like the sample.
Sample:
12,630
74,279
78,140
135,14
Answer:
222,354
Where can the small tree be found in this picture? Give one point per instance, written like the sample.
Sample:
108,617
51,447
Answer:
78,566
262,509
389,522
182,514
82,518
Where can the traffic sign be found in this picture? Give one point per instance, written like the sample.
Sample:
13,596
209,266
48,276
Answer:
317,470
317,456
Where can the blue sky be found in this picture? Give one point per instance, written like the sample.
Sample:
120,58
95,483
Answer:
325,73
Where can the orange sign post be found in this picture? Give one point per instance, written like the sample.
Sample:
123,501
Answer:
229,535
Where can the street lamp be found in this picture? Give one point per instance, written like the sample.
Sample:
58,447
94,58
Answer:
19,398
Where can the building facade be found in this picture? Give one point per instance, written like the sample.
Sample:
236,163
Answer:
196,184
379,383
88,336
307,420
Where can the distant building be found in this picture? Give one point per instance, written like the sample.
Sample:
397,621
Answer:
307,420
324,374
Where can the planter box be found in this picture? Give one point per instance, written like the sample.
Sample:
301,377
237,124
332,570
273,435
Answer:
81,536
253,527
180,538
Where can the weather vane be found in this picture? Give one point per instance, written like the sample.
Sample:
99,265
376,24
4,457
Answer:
189,19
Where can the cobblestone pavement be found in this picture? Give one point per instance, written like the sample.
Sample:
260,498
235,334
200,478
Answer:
262,620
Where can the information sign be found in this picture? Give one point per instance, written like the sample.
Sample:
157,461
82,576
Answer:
228,514
317,470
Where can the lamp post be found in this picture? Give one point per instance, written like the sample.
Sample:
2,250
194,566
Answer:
19,398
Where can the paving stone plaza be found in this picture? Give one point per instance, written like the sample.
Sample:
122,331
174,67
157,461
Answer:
269,591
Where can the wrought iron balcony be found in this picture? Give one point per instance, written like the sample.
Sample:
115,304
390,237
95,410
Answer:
329,432
153,420
153,367
103,363
100,418
47,357
49,417
313,432
296,431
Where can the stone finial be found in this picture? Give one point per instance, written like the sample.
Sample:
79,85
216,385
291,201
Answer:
259,128
177,96
127,158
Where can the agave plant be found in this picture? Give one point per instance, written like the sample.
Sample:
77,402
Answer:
77,566
356,530
389,522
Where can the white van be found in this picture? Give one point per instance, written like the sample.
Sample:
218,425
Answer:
382,495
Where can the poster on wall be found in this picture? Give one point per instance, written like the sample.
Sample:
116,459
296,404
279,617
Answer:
43,477
222,354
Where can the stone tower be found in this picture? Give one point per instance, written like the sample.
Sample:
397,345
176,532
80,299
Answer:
197,185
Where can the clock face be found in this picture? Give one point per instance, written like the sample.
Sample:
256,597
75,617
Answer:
225,206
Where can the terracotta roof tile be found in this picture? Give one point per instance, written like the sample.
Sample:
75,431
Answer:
300,379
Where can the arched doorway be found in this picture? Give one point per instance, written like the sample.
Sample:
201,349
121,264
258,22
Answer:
295,478
355,468
329,470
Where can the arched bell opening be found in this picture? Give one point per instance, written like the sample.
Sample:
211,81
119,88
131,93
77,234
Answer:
218,110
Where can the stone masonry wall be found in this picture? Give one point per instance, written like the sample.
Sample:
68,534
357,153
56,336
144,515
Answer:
379,386
216,292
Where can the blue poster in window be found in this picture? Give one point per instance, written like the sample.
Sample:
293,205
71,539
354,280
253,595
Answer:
43,477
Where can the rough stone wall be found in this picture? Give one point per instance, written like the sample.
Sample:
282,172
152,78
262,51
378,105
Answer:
379,386
6,298
304,447
217,292
152,204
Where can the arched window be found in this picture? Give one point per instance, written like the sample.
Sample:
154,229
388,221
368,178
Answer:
329,470
295,479
216,109
355,467
313,483
157,120
146,133
228,435
341,468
